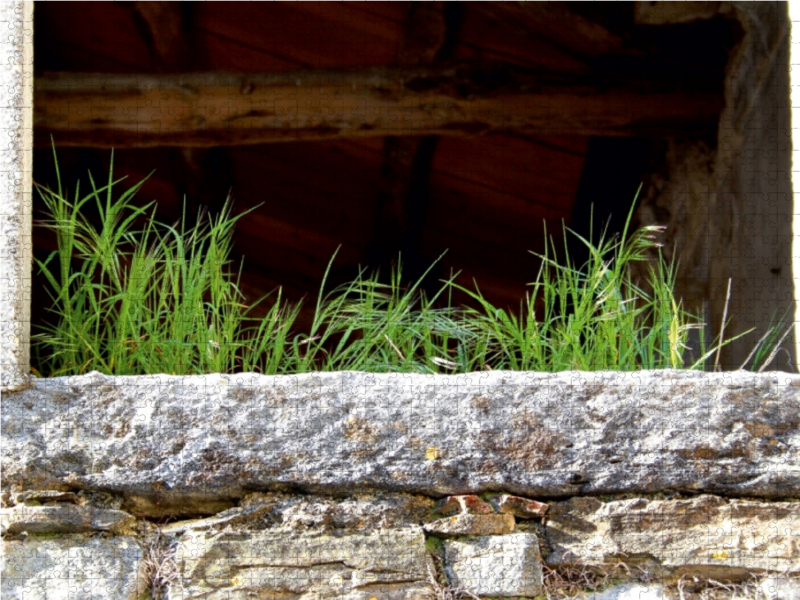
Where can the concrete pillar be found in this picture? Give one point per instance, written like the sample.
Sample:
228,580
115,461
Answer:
16,188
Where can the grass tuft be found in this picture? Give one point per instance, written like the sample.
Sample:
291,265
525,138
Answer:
136,296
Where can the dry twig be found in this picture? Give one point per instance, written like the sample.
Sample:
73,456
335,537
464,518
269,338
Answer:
442,592
159,568
569,581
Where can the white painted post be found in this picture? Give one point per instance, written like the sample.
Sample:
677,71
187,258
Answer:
16,189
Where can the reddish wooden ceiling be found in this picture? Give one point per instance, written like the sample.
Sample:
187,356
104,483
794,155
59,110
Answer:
488,196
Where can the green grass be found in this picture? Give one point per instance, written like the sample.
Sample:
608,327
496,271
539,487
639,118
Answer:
132,299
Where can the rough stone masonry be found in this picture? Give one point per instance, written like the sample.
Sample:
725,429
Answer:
389,487
195,445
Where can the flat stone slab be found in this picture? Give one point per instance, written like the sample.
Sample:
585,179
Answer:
392,565
522,508
707,531
506,565
42,496
469,503
467,524
296,513
62,518
72,566
194,445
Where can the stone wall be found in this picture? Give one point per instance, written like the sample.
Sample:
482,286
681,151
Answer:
380,487
16,190
663,483
729,207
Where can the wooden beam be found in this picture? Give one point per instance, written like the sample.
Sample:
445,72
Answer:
424,34
213,109
670,13
558,23
204,175
403,196
171,46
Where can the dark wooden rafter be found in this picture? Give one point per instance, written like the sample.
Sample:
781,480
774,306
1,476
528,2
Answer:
171,45
424,34
213,109
670,13
596,33
402,197
625,37
204,174
558,23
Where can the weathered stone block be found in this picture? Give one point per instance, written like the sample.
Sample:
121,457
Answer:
72,566
62,518
42,496
508,565
466,503
467,524
706,531
16,192
196,445
523,508
278,511
391,565
780,588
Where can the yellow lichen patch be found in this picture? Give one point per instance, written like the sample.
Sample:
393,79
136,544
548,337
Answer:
527,442
361,430
480,402
398,476
759,430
